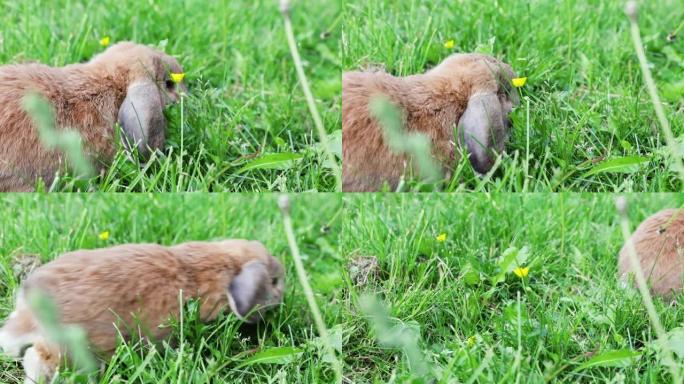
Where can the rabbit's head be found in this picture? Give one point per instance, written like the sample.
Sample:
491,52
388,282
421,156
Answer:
258,286
485,125
146,74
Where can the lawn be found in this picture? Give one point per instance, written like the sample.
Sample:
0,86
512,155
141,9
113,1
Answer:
589,124
222,351
459,315
245,102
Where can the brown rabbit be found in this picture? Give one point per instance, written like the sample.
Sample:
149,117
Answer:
659,245
472,91
136,288
128,83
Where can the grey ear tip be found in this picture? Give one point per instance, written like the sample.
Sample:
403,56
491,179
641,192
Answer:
481,166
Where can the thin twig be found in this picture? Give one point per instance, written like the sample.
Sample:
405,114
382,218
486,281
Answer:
284,204
318,122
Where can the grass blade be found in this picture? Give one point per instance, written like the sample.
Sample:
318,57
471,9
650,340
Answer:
616,358
628,164
272,161
277,355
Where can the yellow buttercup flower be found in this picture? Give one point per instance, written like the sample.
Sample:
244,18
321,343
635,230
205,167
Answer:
441,238
177,77
449,44
104,41
471,341
521,272
104,235
519,81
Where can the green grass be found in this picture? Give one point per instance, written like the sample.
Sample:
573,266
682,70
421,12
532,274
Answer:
587,100
245,100
571,305
48,225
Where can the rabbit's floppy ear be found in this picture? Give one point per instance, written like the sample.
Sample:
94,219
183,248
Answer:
248,288
482,129
141,116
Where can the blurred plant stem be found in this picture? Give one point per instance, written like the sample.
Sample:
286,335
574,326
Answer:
284,204
632,11
285,10
668,357
415,145
66,141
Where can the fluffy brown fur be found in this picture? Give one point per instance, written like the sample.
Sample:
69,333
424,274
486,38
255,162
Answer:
137,287
87,98
432,104
659,244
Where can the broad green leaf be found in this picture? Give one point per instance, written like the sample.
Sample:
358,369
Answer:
616,358
486,47
272,161
509,260
279,141
328,89
277,355
627,164
675,340
673,56
470,275
335,143
673,91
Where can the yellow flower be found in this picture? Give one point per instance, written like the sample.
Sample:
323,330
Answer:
104,235
519,81
104,41
521,272
441,238
177,77
471,341
449,44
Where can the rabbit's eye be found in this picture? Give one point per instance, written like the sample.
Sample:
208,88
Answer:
274,281
170,85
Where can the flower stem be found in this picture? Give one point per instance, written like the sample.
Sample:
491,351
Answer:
318,122
631,10
284,204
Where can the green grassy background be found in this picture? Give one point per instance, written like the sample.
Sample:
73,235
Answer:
572,307
245,100
50,225
587,102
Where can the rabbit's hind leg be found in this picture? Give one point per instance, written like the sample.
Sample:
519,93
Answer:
41,362
17,333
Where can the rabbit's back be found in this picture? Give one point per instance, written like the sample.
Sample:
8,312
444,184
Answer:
128,285
367,159
659,245
18,133
82,101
